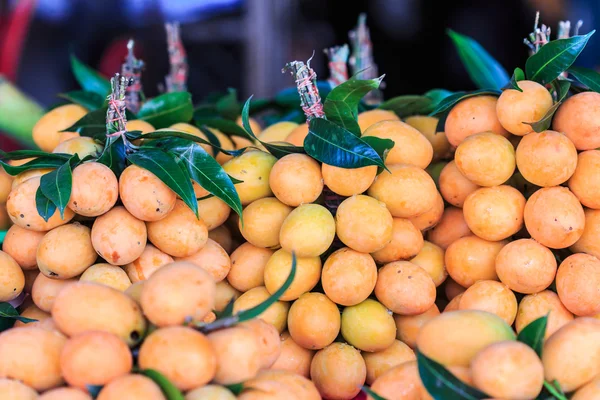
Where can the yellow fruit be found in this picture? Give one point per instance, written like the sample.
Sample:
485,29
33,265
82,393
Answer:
263,219
368,326
247,267
454,187
65,393
348,182
45,290
144,195
409,326
428,127
431,259
314,321
470,259
238,354
406,242
95,189
147,263
405,288
348,276
400,382
210,392
139,125
213,211
25,175
12,389
308,231
33,312
131,387
515,108
278,268
269,344
382,361
253,168
47,131
12,279
212,258
108,275
540,304
371,117
276,314
577,118
82,146
119,237
338,371
588,242
585,182
577,282
277,132
292,357
364,224
451,227
486,159
296,179
297,135
491,296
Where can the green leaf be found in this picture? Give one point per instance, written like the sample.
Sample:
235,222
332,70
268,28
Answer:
369,392
446,104
533,334
206,171
56,185
168,171
205,111
484,70
23,154
89,79
41,162
228,106
167,109
381,146
235,388
555,58
405,106
7,311
168,388
562,89
260,105
437,95
289,98
90,100
224,125
341,105
92,124
227,311
276,150
163,135
441,384
554,390
518,75
587,76
114,155
331,144
43,205
2,236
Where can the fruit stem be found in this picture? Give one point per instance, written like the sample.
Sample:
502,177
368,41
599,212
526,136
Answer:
539,37
116,117
361,60
306,82
338,68
177,79
132,69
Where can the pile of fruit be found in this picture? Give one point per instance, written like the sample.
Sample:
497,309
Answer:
443,246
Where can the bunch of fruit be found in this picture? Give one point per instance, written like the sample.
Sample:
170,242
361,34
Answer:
133,278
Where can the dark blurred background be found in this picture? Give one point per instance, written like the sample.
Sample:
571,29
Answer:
244,43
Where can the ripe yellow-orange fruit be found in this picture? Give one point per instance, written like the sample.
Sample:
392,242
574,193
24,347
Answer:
510,370
515,108
471,259
299,386
147,263
368,326
277,132
588,242
431,259
547,158
131,387
22,209
33,312
486,159
454,187
554,217
364,224
348,182
12,280
452,226
577,282
458,345
400,382
25,175
66,251
64,393
380,362
406,242
82,146
31,355
140,125
247,267
431,217
6,184
263,219
454,304
144,195
577,118
471,116
114,312
308,230
292,357
571,355
585,182
276,314
269,344
13,389
185,356
212,258
47,131
226,143
491,296
408,326
210,392
278,269
410,146
253,168
213,211
407,191
368,118
338,371
494,213
297,135
405,288
119,237
540,304
238,354
428,127
526,266
192,130
177,292
225,294
95,189
314,321
45,290
588,391
21,244
106,274
64,136
222,235
296,179
94,358
348,276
